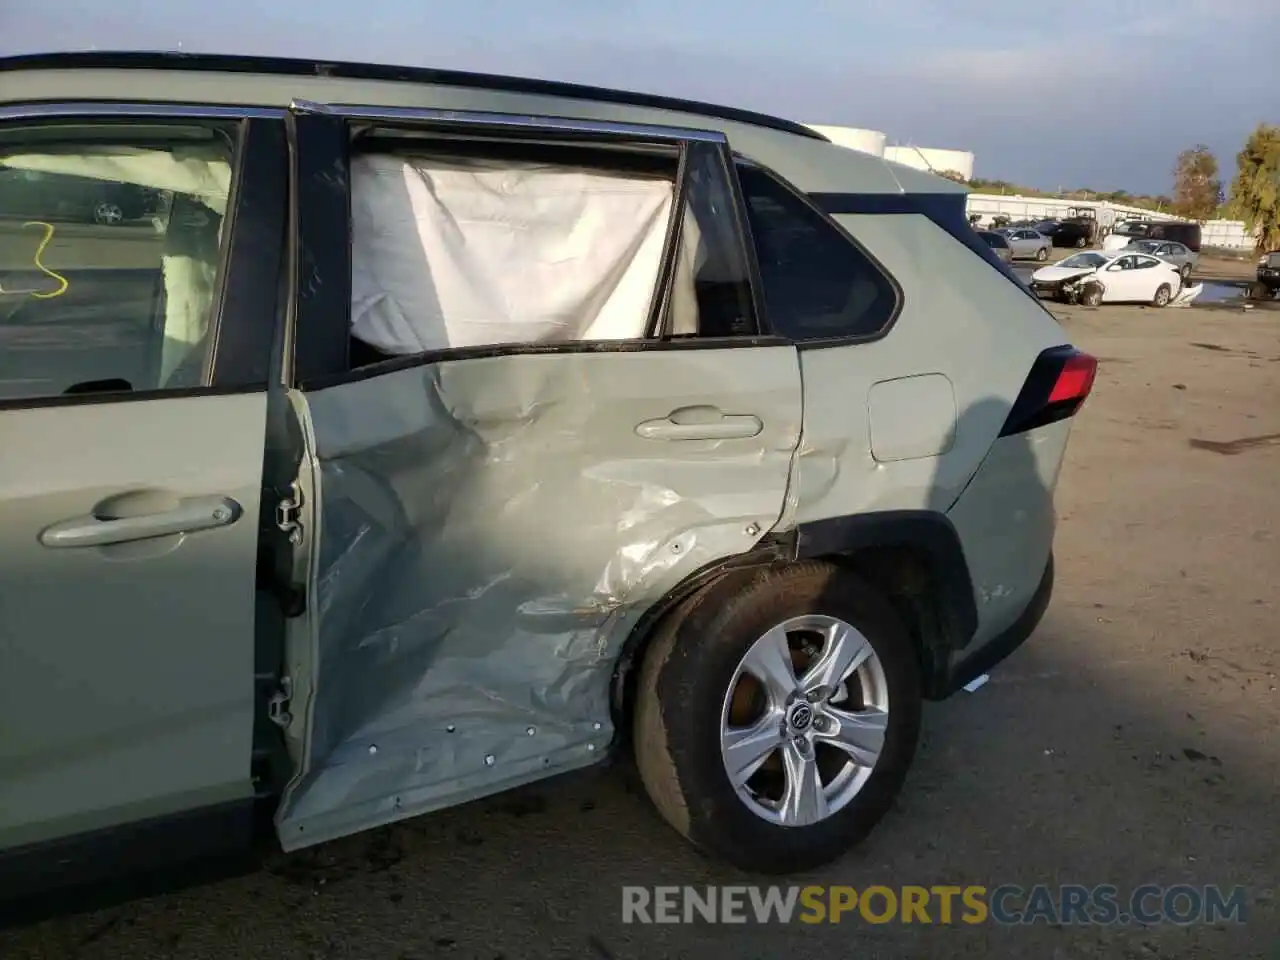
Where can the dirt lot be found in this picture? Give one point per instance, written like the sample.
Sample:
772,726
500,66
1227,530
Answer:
1240,268
1133,740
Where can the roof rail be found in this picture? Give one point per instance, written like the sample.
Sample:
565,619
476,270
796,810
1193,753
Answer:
286,66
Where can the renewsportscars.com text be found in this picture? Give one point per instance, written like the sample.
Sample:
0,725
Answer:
1007,904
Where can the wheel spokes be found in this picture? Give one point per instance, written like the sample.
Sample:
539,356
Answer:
860,733
769,661
747,748
804,801
845,650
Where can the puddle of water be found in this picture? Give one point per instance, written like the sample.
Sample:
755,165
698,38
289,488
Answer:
1221,293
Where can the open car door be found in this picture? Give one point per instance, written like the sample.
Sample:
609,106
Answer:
536,397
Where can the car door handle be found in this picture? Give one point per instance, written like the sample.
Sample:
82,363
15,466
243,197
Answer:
701,423
204,513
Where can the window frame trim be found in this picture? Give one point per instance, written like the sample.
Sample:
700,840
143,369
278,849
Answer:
247,368
800,196
307,373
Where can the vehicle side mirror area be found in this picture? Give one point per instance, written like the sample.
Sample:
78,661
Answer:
1115,266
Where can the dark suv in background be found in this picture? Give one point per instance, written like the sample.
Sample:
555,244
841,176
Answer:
28,194
1078,229
1268,276
1187,234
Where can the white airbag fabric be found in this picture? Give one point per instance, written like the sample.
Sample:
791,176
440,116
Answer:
451,253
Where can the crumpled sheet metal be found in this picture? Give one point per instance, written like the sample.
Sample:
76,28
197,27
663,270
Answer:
489,535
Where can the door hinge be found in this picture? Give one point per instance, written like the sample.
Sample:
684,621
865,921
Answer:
278,705
289,514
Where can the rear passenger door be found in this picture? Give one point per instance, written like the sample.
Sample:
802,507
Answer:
538,396
134,359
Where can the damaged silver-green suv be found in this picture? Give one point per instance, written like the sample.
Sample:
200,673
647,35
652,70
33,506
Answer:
437,433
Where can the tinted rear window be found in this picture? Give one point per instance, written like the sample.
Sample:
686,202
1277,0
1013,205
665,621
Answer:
818,284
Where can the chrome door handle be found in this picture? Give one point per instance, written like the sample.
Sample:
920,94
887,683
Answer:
204,513
722,427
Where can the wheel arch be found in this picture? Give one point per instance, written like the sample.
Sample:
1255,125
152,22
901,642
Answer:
914,557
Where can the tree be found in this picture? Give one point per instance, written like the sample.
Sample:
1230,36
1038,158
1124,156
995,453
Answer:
1255,194
955,175
1197,191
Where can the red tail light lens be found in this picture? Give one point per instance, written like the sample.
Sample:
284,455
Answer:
1059,382
1075,379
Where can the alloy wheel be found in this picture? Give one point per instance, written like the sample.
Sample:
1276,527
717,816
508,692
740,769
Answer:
108,213
803,722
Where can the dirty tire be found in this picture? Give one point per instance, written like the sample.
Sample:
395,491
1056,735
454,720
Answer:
1163,296
1042,254
1082,242
1260,291
1091,295
683,680
1185,273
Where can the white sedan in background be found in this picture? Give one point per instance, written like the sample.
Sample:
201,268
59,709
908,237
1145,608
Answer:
1108,276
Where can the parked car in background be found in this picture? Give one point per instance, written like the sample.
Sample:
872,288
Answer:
1028,244
1079,229
506,504
1182,257
1187,234
40,194
998,243
1268,281
1096,277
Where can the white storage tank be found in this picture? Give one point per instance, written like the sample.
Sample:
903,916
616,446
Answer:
864,141
933,159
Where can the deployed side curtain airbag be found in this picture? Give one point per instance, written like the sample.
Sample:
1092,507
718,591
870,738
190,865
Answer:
463,252
199,179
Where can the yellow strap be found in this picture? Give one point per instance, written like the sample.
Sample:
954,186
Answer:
48,235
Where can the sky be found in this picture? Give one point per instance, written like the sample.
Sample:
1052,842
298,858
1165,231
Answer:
1087,93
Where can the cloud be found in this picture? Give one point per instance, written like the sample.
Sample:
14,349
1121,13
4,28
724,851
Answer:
1097,92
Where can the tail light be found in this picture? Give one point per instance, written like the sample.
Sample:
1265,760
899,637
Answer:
1057,386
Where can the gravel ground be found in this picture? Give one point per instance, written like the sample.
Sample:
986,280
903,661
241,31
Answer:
1132,740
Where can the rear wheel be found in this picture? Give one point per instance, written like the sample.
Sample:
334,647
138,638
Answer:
776,720
1042,254
1082,241
108,213
1162,297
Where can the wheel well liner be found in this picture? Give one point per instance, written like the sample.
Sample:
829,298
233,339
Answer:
913,556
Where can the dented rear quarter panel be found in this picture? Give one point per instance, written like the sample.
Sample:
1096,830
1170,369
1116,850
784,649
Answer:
962,320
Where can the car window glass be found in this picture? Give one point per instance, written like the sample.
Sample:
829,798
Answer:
817,283
1144,263
110,241
710,293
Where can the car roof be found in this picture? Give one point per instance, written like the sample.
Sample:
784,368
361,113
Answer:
802,156
292,66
